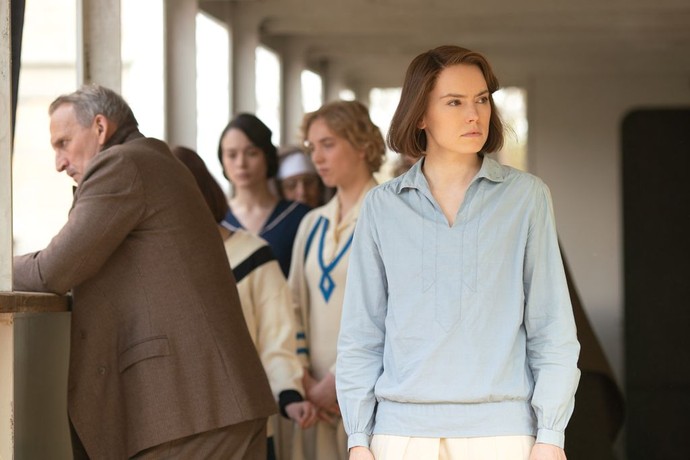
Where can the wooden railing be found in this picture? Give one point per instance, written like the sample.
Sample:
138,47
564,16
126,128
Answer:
33,302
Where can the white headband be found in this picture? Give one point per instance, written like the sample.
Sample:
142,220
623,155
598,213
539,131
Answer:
294,164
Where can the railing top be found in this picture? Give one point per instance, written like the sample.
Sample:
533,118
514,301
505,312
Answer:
33,302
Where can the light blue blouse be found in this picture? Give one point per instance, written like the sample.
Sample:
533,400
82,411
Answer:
457,331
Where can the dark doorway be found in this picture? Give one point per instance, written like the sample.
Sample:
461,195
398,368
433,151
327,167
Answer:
656,215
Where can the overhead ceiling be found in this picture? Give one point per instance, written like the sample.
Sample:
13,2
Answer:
371,42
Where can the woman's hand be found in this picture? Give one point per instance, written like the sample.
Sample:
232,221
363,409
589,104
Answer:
303,413
542,451
308,381
361,453
323,394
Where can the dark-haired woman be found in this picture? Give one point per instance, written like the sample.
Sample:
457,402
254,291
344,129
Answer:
250,161
457,338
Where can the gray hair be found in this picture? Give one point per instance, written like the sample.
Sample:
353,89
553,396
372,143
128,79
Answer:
91,100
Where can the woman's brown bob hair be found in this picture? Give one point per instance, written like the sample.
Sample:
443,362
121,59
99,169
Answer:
351,121
404,135
213,194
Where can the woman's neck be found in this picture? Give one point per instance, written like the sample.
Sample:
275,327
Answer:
449,178
252,197
348,194
454,168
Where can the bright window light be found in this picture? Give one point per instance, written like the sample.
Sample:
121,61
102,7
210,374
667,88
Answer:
213,90
312,91
268,90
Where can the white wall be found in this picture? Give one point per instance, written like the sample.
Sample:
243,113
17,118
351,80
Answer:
574,145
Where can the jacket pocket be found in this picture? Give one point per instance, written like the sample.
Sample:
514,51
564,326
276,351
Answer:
151,347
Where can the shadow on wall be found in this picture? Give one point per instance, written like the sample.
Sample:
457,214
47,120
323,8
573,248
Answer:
599,404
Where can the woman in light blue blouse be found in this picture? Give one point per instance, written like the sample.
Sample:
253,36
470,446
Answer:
457,338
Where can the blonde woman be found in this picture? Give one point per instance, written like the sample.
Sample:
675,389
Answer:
346,148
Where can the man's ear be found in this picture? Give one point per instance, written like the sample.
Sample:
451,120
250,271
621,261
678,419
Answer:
104,127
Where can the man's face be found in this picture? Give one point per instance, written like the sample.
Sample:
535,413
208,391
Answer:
75,145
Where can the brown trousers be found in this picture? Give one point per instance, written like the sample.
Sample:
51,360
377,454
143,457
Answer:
242,441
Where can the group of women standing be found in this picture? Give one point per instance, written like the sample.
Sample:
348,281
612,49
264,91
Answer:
269,238
457,339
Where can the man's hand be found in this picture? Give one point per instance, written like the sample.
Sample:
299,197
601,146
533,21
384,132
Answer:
542,451
361,453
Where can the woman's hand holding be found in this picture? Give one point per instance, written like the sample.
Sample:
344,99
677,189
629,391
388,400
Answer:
303,413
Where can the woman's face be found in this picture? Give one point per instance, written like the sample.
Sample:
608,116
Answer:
337,161
244,163
458,111
304,188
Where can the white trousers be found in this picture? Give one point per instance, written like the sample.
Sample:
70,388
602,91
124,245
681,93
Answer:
386,447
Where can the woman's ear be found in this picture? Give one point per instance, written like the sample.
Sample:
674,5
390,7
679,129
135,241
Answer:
421,124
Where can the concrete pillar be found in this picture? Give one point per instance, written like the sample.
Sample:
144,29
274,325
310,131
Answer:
333,80
6,328
361,92
293,64
5,148
244,39
99,43
180,72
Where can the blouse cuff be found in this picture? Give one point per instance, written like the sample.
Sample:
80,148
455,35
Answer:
357,439
556,438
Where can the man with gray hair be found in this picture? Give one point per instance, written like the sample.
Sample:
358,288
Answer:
161,361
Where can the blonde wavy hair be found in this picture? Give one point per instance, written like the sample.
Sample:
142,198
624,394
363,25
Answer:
351,121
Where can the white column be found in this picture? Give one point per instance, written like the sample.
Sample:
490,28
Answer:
6,328
180,72
244,33
99,43
333,80
361,93
293,65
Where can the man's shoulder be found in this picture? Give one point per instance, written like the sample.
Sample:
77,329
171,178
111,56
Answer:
140,146
143,155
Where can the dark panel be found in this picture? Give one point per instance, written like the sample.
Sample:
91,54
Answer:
656,210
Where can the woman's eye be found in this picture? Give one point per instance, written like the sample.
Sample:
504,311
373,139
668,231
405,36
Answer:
483,100
454,102
289,184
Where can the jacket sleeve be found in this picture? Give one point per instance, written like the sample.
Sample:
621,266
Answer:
108,204
552,346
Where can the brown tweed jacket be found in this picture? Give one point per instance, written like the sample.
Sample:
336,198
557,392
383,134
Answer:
159,347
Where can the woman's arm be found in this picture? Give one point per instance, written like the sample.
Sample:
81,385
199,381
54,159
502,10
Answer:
362,331
552,346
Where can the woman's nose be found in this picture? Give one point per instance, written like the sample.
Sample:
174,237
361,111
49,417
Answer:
300,189
472,113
